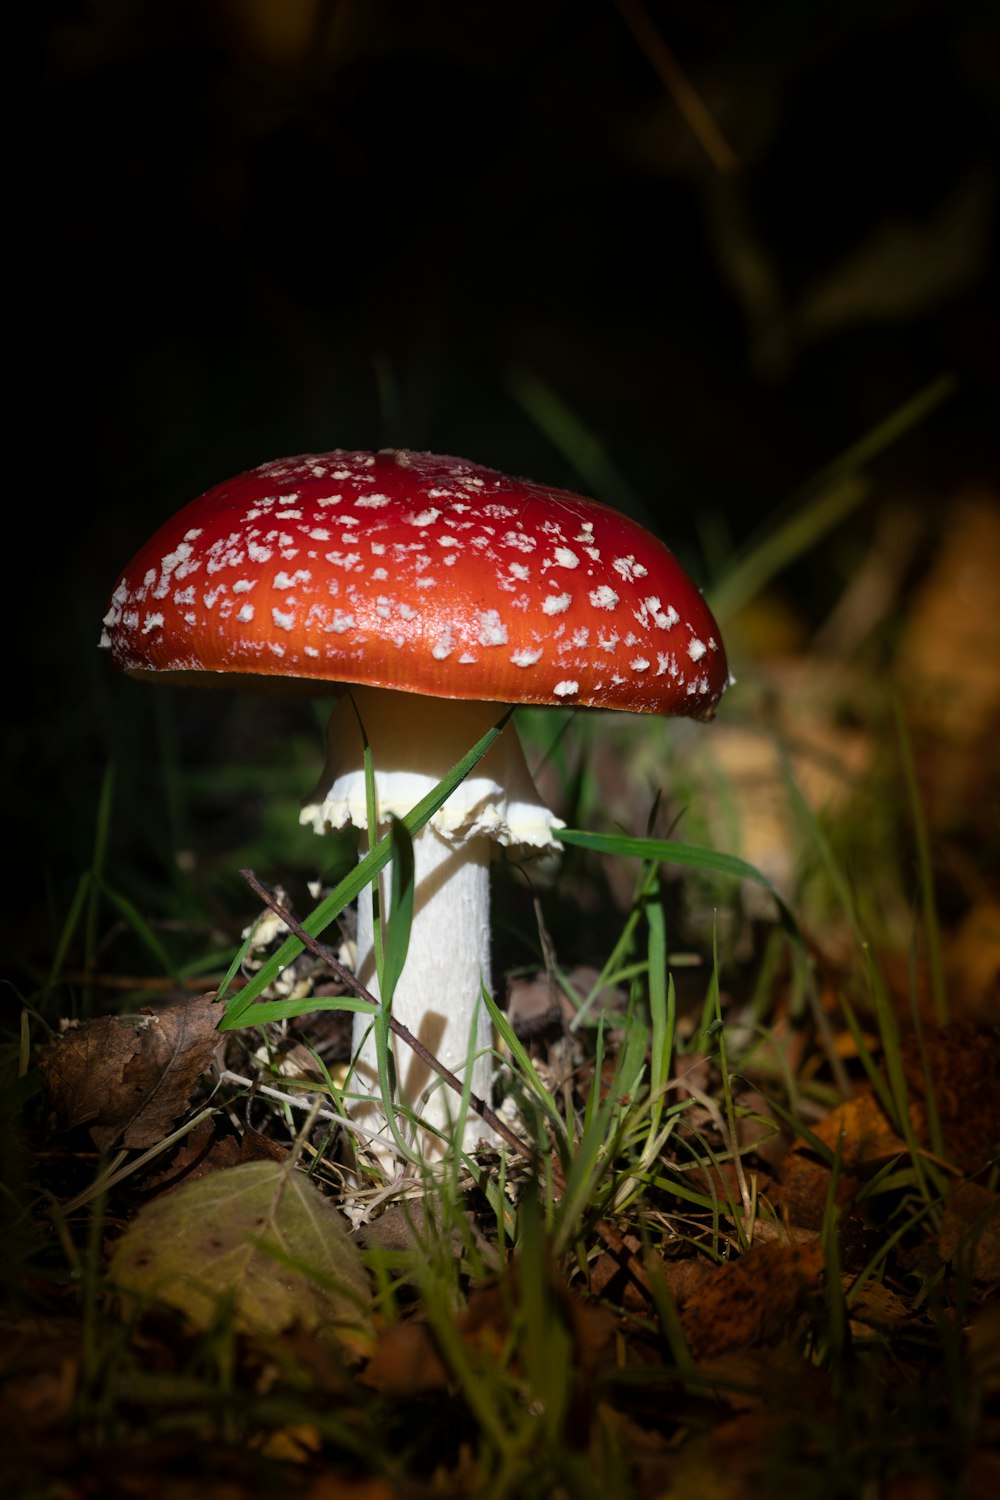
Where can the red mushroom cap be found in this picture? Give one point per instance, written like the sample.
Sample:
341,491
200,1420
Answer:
422,573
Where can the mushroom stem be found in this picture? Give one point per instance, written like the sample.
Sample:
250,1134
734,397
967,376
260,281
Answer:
438,994
414,743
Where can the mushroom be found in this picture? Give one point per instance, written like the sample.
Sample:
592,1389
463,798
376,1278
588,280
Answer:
435,589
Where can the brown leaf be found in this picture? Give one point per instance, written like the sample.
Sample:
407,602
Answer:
405,1363
865,1134
202,1150
129,1079
750,1299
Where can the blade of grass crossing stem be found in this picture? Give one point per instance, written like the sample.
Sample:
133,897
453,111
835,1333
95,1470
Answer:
395,926
372,819
344,893
932,927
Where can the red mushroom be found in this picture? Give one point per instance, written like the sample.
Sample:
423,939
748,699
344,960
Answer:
414,577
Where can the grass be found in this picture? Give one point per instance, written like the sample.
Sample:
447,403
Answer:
699,1271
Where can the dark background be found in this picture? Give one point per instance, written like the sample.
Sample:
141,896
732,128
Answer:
263,229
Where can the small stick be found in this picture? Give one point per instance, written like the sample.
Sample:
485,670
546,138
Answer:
353,983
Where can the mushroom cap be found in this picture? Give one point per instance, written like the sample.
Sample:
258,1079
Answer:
423,573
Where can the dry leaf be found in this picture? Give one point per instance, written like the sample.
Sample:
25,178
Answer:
406,1363
863,1131
258,1238
129,1079
748,1299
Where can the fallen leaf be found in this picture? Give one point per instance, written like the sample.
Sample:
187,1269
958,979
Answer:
747,1300
406,1363
863,1131
260,1239
129,1078
202,1151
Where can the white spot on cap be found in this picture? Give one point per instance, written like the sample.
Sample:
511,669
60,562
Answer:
556,604
564,557
284,619
289,580
423,517
152,622
525,658
444,645
696,649
492,630
629,568
566,688
518,539
638,664
603,597
244,585
246,614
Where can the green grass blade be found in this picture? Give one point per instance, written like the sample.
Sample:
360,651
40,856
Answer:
396,941
349,888
666,851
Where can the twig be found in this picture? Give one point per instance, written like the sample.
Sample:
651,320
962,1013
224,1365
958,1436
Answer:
354,984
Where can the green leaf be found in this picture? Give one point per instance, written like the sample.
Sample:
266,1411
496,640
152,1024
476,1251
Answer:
258,1243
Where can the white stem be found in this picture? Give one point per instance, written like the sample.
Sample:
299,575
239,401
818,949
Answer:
415,741
439,992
